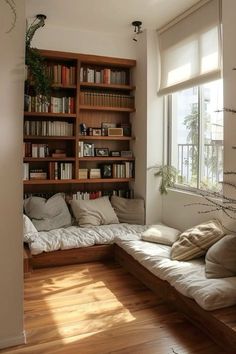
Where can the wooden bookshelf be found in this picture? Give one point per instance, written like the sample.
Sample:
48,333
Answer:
111,77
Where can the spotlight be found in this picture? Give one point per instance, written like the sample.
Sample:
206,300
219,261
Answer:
137,29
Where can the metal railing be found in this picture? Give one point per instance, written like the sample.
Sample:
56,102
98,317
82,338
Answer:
212,168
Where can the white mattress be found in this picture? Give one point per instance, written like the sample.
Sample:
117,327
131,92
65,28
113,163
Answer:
75,237
186,277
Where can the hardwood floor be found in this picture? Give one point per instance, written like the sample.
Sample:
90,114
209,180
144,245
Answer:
98,308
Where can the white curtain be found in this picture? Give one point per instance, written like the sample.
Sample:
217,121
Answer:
190,49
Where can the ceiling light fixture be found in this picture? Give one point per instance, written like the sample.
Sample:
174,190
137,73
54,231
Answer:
137,29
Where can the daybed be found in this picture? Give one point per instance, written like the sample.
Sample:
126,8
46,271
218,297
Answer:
183,283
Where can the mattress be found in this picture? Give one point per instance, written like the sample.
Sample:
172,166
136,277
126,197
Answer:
76,237
188,278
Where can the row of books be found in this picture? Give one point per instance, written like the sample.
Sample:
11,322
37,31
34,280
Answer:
56,170
124,193
103,76
42,104
35,150
48,128
60,170
123,170
106,99
61,74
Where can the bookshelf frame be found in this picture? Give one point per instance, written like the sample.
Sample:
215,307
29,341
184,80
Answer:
91,114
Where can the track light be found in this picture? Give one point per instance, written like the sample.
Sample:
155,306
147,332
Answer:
137,29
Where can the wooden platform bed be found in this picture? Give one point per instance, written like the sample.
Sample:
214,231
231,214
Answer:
220,325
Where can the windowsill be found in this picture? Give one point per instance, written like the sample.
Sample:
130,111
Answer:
190,192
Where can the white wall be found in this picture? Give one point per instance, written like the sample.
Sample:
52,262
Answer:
85,42
11,113
148,125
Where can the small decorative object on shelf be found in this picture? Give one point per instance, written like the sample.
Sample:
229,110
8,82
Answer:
97,132
115,153
83,129
94,173
127,153
115,132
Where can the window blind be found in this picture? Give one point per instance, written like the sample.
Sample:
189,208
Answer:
190,49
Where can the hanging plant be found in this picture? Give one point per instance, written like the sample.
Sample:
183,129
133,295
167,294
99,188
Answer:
168,176
34,61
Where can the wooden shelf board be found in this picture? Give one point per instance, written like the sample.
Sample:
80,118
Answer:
107,158
77,181
61,86
51,115
33,137
48,159
89,137
103,108
108,86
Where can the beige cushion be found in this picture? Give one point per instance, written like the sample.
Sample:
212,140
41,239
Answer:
94,212
129,211
221,258
194,242
161,234
48,214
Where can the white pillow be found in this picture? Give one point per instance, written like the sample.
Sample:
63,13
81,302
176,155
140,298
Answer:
29,230
161,234
94,212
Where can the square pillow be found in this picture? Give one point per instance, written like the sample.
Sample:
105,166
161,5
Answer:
48,214
94,212
29,231
161,234
130,211
221,258
194,242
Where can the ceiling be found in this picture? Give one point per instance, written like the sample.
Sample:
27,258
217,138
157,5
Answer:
107,15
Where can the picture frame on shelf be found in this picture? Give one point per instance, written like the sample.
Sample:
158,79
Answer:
106,170
88,149
126,153
101,152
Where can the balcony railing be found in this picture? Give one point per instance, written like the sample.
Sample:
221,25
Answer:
212,167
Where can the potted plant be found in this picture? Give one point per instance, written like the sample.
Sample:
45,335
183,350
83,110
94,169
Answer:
35,67
168,176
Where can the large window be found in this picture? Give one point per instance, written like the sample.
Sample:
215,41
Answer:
196,135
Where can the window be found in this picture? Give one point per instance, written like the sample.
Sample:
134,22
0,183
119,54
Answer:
196,135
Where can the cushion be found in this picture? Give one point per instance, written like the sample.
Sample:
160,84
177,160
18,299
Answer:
221,258
29,231
48,214
130,211
161,234
94,212
194,242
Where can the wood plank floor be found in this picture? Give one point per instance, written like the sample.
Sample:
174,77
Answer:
98,308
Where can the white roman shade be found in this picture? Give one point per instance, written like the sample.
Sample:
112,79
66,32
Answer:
190,48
